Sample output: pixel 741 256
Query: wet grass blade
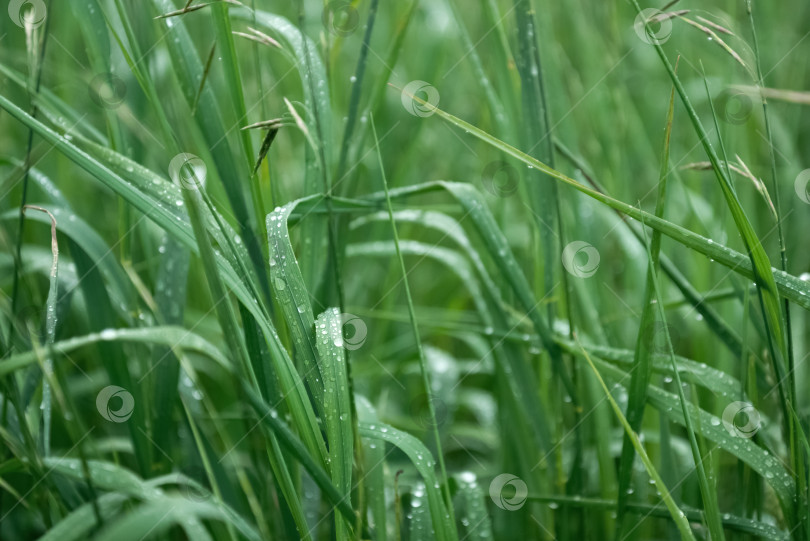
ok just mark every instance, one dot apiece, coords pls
pixel 760 264
pixel 642 364
pixel 329 335
pixel 707 491
pixel 677 515
pixel 422 460
pixel 786 284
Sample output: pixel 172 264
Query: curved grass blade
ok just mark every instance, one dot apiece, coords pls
pixel 444 224
pixel 238 350
pixel 50 332
pixel 443 527
pixel 511 364
pixel 93 245
pixel 167 336
pixel 454 261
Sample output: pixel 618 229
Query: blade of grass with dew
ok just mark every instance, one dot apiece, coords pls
pixel 512 364
pixel 677 515
pixel 419 527
pixel 642 364
pixel 427 387
pixel 792 287
pixel 473 515
pixel 170 297
pixel 233 78
pixel 716 381
pixel 710 427
pixel 338 407
pixel 236 345
pixel 707 491
pixel 730 522
pixel 165 335
pixel 799 462
pixel 293 296
pixel 300 50
pixel 120 288
pixel 537 135
pixel 55 109
pixel 374 483
pixel 167 194
pixel 440 515
pixel 271 419
pixel 761 267
pixel 770 307
pixel 188 68
pixel 712 318
pixel 156 199
pixel 50 331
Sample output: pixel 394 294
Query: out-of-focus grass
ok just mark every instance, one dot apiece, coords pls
pixel 471 245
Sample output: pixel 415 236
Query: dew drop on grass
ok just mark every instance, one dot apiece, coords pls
pixel 108 334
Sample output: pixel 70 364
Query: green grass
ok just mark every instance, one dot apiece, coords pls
pixel 404 270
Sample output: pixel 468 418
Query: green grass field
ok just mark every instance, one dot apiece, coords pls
pixel 402 271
